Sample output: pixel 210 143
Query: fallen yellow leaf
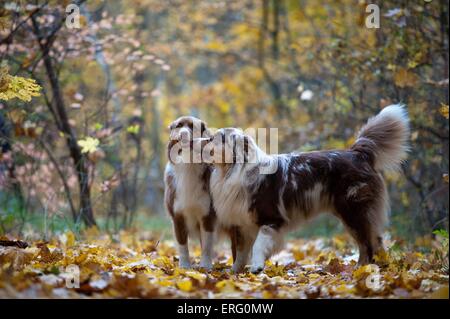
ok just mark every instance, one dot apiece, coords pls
pixel 185 285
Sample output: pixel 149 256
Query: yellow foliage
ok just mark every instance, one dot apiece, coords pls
pixel 89 144
pixel 273 270
pixel 4 19
pixel 226 286
pixel 217 46
pixel 404 198
pixel 363 271
pixel 335 144
pixel 444 110
pixel 185 285
pixel 17 87
pixel 70 239
pixel 133 129
pixel 404 78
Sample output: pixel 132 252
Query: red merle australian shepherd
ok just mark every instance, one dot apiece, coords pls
pixel 261 207
pixel 187 197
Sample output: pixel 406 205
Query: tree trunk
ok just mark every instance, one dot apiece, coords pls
pixel 79 160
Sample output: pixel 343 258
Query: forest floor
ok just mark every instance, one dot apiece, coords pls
pixel 138 265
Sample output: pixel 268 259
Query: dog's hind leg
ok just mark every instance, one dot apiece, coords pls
pixel 207 249
pixel 267 242
pixel 365 226
pixel 363 212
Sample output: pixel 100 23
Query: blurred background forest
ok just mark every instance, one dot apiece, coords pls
pixel 89 148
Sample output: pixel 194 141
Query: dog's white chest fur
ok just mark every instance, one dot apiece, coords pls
pixel 192 199
pixel 230 199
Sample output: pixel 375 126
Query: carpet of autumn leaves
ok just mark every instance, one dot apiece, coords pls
pixel 139 265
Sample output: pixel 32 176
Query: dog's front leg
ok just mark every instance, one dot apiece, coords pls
pixel 242 254
pixel 181 235
pixel 243 245
pixel 207 240
pixel 207 249
pixel 266 242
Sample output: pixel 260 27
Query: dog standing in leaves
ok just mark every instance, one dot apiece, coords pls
pixel 261 208
pixel 187 198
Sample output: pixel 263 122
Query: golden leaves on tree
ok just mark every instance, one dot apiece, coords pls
pixel 17 87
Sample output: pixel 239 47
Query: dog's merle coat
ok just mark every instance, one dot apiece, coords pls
pixel 347 183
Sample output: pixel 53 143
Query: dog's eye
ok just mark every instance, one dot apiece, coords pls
pixel 179 125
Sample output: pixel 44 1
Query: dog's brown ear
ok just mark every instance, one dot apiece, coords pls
pixel 246 142
pixel 204 130
pixel 246 150
pixel 171 126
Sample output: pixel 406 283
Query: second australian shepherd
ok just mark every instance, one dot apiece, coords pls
pixel 261 208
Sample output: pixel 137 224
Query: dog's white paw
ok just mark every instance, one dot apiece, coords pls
pixel 257 268
pixel 206 264
pixel 185 264
pixel 237 268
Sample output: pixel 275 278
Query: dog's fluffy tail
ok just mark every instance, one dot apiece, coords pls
pixel 384 138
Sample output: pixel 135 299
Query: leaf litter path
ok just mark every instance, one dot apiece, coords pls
pixel 139 266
